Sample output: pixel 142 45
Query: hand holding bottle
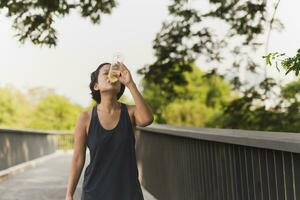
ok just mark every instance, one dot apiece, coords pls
pixel 125 75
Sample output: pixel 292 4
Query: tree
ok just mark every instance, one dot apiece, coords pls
pixel 249 112
pixel 55 112
pixel 197 102
pixel 34 20
pixel 185 37
pixel 14 107
pixel 286 62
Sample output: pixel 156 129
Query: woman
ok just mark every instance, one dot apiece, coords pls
pixel 107 130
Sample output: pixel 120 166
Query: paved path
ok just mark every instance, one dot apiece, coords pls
pixel 47 180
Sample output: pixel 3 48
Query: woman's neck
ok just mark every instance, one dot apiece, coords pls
pixel 109 104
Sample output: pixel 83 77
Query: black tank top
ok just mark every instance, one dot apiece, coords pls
pixel 112 173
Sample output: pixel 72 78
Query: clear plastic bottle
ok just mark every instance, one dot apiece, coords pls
pixel 115 68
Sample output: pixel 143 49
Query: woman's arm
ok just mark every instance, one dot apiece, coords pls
pixel 78 158
pixel 141 111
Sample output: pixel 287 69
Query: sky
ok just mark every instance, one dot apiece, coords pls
pixel 82 46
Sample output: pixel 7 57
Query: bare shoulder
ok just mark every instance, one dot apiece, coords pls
pixel 84 116
pixel 84 119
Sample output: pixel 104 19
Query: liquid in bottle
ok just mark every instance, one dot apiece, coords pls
pixel 115 68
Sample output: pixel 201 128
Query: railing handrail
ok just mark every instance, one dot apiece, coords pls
pixel 284 141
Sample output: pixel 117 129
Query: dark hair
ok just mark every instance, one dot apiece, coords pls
pixel 94 79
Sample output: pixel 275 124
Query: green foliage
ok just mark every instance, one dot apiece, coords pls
pixel 273 57
pixel 249 111
pixel 14 107
pixel 55 112
pixel 39 108
pixel 34 20
pixel 7 107
pixel 178 92
pixel 188 113
pixel 197 102
pixel 291 91
pixel 185 36
pixel 292 63
pixel 288 63
pixel 155 97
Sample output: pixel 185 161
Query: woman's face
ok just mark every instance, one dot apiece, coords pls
pixel 103 84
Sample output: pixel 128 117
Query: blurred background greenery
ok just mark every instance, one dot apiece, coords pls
pixel 178 90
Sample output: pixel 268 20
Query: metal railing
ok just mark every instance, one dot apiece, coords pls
pixel 189 163
pixel 21 145
pixel 179 163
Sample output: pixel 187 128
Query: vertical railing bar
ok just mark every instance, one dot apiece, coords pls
pixel 276 183
pixel 285 194
pixel 241 169
pixel 201 167
pixel 293 173
pixel 194 160
pixel 225 161
pixel 212 164
pixel 187 167
pixel 203 170
pixel 268 178
pixel 231 170
pixel 247 178
pixel 235 175
pixel 193 178
pixel 208 170
pixel 261 185
pixel 253 172
pixel 222 185
pixel 184 164
pixel 198 165
pixel 234 170
pixel 217 170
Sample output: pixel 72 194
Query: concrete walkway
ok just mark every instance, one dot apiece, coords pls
pixel 46 180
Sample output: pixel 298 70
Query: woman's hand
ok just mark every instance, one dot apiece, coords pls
pixel 124 75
